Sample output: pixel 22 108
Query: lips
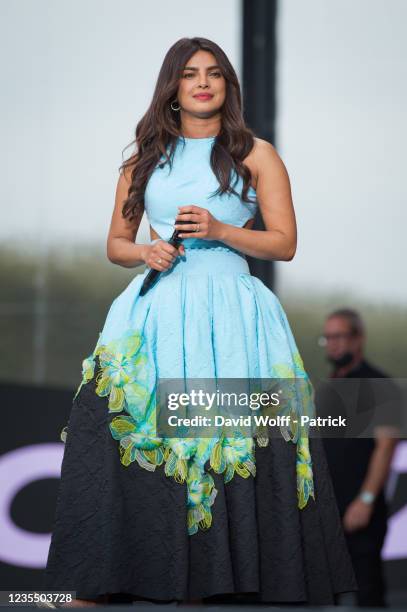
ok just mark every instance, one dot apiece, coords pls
pixel 203 97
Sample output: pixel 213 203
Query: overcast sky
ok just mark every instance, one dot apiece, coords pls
pixel 80 74
pixel 342 133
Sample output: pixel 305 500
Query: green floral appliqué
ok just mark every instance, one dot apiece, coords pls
pixel 122 377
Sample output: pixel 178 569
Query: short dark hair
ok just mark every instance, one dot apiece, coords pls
pixel 353 317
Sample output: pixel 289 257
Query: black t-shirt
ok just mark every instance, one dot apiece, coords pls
pixel 348 456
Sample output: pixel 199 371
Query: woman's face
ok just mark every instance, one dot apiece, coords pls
pixel 202 86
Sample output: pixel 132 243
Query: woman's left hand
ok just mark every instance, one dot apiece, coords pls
pixel 209 227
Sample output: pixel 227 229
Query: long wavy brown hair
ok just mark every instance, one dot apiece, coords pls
pixel 157 132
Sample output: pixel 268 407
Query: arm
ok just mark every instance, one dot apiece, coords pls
pixel 380 462
pixel 358 513
pixel 121 249
pixel 279 241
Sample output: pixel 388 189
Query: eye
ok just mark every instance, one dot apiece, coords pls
pixel 217 74
pixel 188 74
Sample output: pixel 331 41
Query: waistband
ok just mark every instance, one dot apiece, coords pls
pixel 199 243
pixel 210 257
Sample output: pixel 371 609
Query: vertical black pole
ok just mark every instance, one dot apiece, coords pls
pixel 259 96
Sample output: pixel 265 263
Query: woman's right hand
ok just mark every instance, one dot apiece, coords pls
pixel 163 251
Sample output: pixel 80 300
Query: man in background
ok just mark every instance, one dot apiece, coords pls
pixel 359 466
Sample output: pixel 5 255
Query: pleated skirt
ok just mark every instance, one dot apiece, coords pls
pixel 122 529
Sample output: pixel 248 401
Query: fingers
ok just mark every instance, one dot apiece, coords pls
pixel 190 208
pixel 188 217
pixel 193 230
pixel 162 260
pixel 167 250
pixel 194 217
pixel 185 230
pixel 162 256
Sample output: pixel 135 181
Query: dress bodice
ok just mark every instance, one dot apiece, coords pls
pixel 191 180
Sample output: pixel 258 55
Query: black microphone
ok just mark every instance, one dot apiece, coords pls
pixel 153 275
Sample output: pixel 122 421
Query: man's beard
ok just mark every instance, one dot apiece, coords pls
pixel 341 361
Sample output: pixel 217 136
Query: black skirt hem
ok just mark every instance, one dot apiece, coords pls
pixel 122 529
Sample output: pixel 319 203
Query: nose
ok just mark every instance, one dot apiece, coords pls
pixel 202 81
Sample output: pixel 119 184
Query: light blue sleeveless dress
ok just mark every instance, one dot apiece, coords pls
pixel 206 317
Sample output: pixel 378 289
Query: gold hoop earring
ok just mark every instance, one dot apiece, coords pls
pixel 175 109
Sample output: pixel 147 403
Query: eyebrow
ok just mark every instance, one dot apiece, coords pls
pixel 194 68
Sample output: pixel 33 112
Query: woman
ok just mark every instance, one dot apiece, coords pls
pixel 221 518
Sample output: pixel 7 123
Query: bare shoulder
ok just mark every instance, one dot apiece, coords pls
pixel 264 158
pixel 264 152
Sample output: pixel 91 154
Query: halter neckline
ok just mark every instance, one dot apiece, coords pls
pixel 196 139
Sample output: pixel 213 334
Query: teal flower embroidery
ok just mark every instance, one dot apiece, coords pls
pixel 178 452
pixel 234 454
pixel 201 495
pixel 299 396
pixel 123 379
pixel 121 362
pixel 123 373
pixel 305 481
pixel 137 442
pixel 88 371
